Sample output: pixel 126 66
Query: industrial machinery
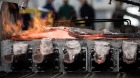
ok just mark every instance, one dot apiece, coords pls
pixel 13 11
pixel 65 51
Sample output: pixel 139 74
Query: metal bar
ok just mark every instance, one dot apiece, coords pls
pixel 129 2
pixel 1 29
pixel 105 20
pixel 97 20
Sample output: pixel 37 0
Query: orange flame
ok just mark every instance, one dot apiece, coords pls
pixel 38 27
pixel 12 28
pixel 9 27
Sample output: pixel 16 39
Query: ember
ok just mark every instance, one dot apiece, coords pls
pixel 100 61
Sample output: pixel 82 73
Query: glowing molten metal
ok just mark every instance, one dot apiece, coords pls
pixel 38 28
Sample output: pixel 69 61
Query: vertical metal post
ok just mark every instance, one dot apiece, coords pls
pixel 110 2
pixel 0 29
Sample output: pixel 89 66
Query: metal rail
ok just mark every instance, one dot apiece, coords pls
pixel 104 20
pixel 127 1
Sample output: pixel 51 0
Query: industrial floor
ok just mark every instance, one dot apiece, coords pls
pixel 70 75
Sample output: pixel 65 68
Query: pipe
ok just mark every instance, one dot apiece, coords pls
pixel 104 20
pixel 21 3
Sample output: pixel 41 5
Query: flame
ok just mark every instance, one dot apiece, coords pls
pixel 38 24
pixel 37 27
pixel 9 27
pixel 13 28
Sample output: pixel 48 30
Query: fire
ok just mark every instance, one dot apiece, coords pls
pixel 38 24
pixel 38 28
pixel 9 27
pixel 13 28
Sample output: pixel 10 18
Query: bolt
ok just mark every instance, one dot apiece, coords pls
pixel 30 51
pixel 30 67
pixel 57 67
pixel 111 59
pixel 92 51
pixel 30 48
pixel 111 68
pixel 66 68
pixel 38 67
pixel 120 68
pixel 93 68
pixel 56 59
pixel 84 67
pixel 30 59
pixel 84 59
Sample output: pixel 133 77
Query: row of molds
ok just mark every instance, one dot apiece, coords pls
pixel 74 56
pixel 71 58
pixel 105 57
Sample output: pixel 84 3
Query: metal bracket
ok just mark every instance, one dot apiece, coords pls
pixel 110 2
